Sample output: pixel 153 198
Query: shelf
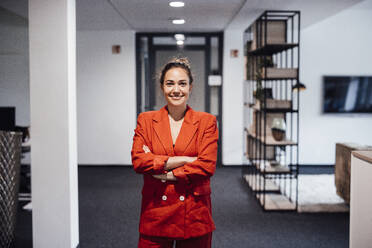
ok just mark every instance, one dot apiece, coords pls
pixel 274 106
pixel 270 141
pixel 272 201
pixel 270 49
pixel 272 68
pixel 273 73
pixel 256 183
pixel 277 110
pixel 271 167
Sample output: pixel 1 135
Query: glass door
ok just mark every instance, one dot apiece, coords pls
pixel 205 54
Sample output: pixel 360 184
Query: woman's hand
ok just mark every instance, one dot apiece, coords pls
pixel 172 163
pixel 177 161
pixel 191 159
pixel 146 149
pixel 169 176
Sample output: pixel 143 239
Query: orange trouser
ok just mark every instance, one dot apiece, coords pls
pixel 204 241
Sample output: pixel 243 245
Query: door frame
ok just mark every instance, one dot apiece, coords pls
pixel 151 67
pixel 155 83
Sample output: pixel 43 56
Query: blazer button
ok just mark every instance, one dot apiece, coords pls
pixel 164 197
pixel 182 198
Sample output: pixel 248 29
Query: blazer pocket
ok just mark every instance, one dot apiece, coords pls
pixel 203 189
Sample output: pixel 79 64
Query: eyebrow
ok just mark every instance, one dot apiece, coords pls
pixel 182 80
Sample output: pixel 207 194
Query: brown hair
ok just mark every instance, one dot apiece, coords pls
pixel 182 62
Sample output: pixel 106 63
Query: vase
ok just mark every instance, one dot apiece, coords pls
pixel 278 129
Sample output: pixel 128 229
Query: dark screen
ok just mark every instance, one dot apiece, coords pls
pixel 347 94
pixel 7 118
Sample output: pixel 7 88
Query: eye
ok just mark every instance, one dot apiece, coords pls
pixel 183 83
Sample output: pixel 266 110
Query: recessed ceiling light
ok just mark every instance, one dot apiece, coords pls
pixel 177 4
pixel 179 36
pixel 180 42
pixel 178 21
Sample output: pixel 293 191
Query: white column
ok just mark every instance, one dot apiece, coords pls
pixel 52 32
pixel 233 80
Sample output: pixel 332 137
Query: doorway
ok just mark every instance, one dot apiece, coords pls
pixel 204 50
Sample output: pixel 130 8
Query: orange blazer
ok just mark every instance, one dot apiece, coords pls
pixel 182 208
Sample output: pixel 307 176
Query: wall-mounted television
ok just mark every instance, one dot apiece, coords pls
pixel 347 94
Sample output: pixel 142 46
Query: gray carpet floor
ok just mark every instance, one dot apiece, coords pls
pixel 109 205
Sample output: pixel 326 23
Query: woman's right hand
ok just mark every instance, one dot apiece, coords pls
pixel 177 161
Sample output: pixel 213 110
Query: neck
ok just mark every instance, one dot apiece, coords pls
pixel 177 112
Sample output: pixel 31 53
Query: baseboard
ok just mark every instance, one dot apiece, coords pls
pixel 231 165
pixel 316 165
pixel 302 168
pixel 300 165
pixel 104 165
pixel 316 169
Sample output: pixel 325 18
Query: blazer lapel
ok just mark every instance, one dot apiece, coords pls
pixel 188 130
pixel 162 130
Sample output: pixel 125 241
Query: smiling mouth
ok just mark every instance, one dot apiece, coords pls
pixel 176 97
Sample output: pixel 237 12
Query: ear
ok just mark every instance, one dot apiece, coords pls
pixel 190 88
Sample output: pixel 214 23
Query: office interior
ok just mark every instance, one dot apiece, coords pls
pixel 77 74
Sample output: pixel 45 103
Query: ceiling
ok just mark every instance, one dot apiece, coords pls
pixel 200 15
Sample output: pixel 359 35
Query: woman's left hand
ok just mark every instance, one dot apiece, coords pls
pixel 169 176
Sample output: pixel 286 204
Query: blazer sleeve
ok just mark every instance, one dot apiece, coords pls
pixel 205 165
pixel 145 163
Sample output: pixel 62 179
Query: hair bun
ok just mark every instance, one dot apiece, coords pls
pixel 176 62
pixel 181 60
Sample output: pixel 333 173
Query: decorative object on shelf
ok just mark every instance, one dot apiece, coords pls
pixel 299 86
pixel 272 104
pixel 276 33
pixel 261 93
pixel 282 161
pixel 278 129
pixel 279 73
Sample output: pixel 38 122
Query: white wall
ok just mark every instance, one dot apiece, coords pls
pixel 339 45
pixel 232 109
pixel 360 231
pixel 106 96
pixel 106 88
pixel 14 67
pixel 14 64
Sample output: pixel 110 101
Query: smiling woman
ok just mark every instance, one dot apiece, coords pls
pixel 175 148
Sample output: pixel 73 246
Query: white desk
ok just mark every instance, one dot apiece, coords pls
pixel 361 200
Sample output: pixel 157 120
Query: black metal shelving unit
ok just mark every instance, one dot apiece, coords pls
pixel 272 67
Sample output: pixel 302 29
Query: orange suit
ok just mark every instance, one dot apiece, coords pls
pixel 176 209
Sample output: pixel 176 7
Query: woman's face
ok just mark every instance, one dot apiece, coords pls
pixel 176 87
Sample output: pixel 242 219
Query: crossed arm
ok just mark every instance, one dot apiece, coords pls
pixel 170 164
pixel 182 168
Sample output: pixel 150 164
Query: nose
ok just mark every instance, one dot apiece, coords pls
pixel 176 88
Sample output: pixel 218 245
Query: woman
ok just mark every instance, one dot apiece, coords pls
pixel 175 148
